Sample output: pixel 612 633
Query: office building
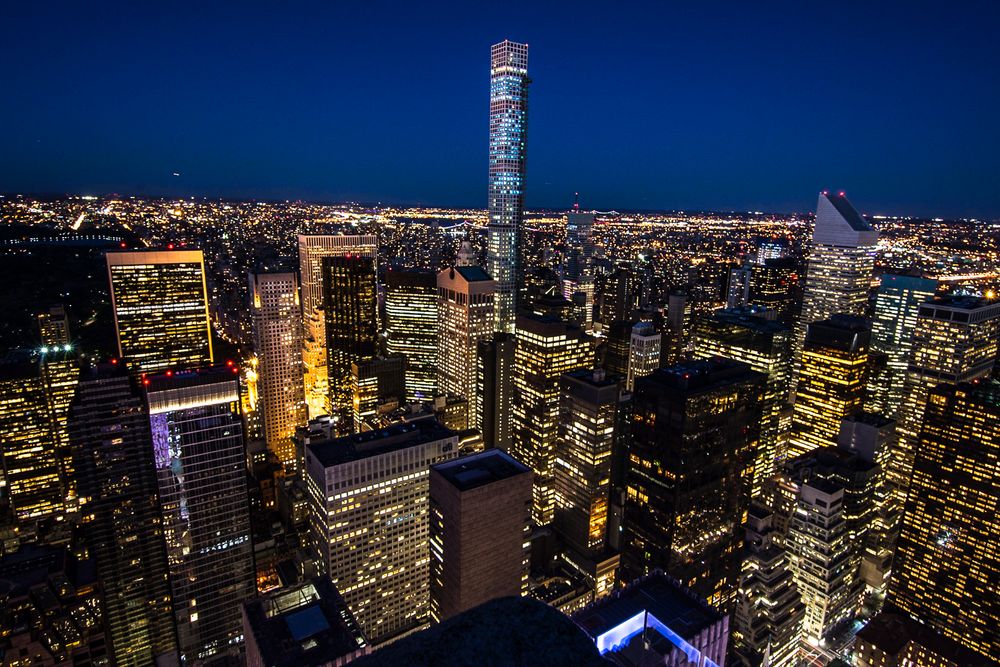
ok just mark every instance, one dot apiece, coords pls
pixel 580 248
pixel 774 284
pixel 765 346
pixel 378 386
pixel 465 318
pixel 160 305
pixel 695 432
pixel 53 326
pixel 312 250
pixel 833 373
pixel 619 297
pixel 947 565
pixel 738 286
pixel 955 341
pixel 894 639
pixel 508 153
pixel 277 337
pixel 894 323
pixel 618 343
pixel 773 249
pixel 350 307
pixel 655 620
pixel 201 473
pixel 643 352
pixel 305 625
pixel 370 520
pixel 113 459
pixel 545 350
pixel 495 389
pixel 480 516
pixel 411 320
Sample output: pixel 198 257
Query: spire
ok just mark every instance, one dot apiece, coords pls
pixel 576 201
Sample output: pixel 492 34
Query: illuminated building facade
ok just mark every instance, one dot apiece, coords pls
pixel 508 153
pixel 832 377
pixel 695 432
pixel 897 303
pixel 546 349
pixel 840 267
pixel 495 389
pixel 60 371
pixel 465 319
pixel 369 520
pixel 619 296
pixel 579 246
pixel 350 306
pixel 113 458
pixel 618 340
pixel 738 287
pixel 765 346
pixel 201 473
pixel 411 320
pixel 277 337
pixel 378 386
pixel 53 326
pixel 774 284
pixel 480 518
pixel 160 305
pixel 819 544
pixel 947 564
pixel 643 352
pixel 955 340
pixel 312 250
pixel 588 416
pixel 894 639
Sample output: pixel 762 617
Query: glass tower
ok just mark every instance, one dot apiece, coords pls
pixel 411 316
pixel 508 151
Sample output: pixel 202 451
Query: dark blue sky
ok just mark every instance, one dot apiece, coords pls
pixel 742 105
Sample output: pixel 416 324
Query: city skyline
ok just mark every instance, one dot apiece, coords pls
pixel 709 116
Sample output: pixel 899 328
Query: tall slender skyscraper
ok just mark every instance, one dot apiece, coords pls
pixel 508 152
pixel 113 460
pixel 643 352
pixel 411 317
pixel 200 460
pixel 277 337
pixel 60 371
pixel 160 305
pixel 350 304
pixel 312 250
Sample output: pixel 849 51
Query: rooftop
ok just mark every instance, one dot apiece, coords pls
pixel 476 470
pixel 891 631
pixel 701 375
pixel 848 212
pixel 371 443
pixel 472 273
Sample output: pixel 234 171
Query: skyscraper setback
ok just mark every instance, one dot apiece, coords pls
pixel 508 152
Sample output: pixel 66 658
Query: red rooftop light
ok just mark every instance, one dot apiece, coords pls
pixel 124 245
pixel 170 246
pixel 229 362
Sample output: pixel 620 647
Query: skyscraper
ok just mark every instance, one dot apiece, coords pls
pixel 695 429
pixel 465 319
pixel 897 303
pixel 113 459
pixel 947 564
pixel 738 286
pixel 495 389
pixel 60 372
pixel 766 347
pixel 312 250
pixel 350 307
pixel 377 386
pixel 832 376
pixel 277 336
pixel 480 516
pixel 369 520
pixel 546 349
pixel 774 285
pixel 508 153
pixel 200 460
pixel 160 305
pixel 643 352
pixel 411 316
pixel 955 340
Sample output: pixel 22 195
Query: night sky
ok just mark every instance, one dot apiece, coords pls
pixel 674 105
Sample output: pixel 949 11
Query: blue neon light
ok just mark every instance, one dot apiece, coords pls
pixel 619 636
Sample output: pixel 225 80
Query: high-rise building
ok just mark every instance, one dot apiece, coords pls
pixel 495 389
pixel 370 520
pixel 160 305
pixel 508 153
pixel 765 346
pixel 378 385
pixel 819 544
pixel 947 565
pixel 277 337
pixel 465 318
pixel 546 349
pixel 480 516
pixel 774 285
pixel 738 286
pixel 312 250
pixel 832 377
pixel 695 431
pixel 895 639
pixel 955 340
pixel 60 372
pixel 618 337
pixel 53 326
pixel 411 320
pixel 116 481
pixel 620 296
pixel 897 303
pixel 643 352
pixel 350 307
pixel 579 245
pixel 201 474
pixel 590 413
